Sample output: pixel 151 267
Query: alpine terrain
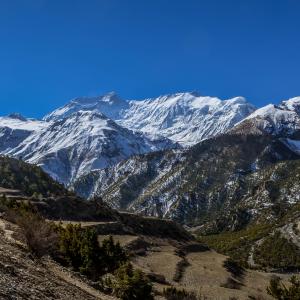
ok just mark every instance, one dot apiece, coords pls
pixel 107 198
pixel 91 133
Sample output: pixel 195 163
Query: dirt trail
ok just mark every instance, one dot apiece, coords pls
pixel 84 224
pixel 9 232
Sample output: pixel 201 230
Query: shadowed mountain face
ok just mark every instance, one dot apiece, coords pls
pixel 223 174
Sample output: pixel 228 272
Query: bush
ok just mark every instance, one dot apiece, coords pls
pixel 279 291
pixel 234 268
pixel 180 268
pixel 114 254
pixel 172 293
pixel 130 284
pixel 39 235
pixel 232 283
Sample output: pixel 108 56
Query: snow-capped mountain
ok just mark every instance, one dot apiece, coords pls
pixel 14 129
pixel 186 118
pixel 109 104
pixel 92 133
pixel 282 119
pixel 189 184
pixel 79 143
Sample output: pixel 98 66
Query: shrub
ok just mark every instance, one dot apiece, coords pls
pixel 39 235
pixel 172 293
pixel 234 268
pixel 279 291
pixel 131 284
pixel 232 283
pixel 180 268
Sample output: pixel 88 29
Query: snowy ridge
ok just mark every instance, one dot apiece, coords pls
pixel 185 117
pixel 14 129
pixel 92 133
pixel 275 119
pixel 16 121
pixel 79 143
pixel 109 104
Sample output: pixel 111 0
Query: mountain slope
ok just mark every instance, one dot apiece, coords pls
pixel 79 143
pixel 14 129
pixel 28 179
pixel 237 176
pixel 214 177
pixel 282 119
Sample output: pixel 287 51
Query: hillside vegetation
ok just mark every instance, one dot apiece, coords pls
pixel 29 179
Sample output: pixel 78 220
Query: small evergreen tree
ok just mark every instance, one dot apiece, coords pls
pixel 70 245
pixel 90 252
pixel 114 254
pixel 131 284
pixel 80 248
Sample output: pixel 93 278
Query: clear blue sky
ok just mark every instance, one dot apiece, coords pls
pixel 53 50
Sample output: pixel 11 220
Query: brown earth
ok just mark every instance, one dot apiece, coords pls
pixel 22 277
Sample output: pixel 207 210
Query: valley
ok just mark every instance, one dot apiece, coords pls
pixel 159 258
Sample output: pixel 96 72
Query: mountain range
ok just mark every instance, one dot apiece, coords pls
pixel 91 133
pixel 181 156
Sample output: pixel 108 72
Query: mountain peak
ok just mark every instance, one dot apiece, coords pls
pixel 17 116
pixel 109 104
pixel 273 119
pixel 292 104
pixel 111 97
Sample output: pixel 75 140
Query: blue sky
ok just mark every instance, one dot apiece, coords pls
pixel 54 50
